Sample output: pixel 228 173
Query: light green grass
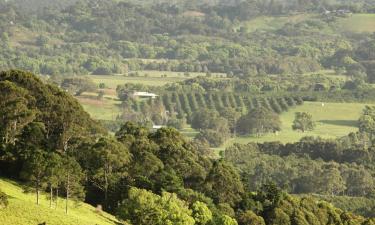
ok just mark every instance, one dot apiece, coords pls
pixel 150 78
pixel 105 109
pixel 357 23
pixel 332 121
pixel 22 210
pixel 273 22
pixel 331 74
pixel 113 81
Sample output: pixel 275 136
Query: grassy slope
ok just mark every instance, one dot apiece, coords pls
pixel 333 120
pixel 357 23
pixel 22 210
pixel 147 78
pixel 273 23
pixel 105 109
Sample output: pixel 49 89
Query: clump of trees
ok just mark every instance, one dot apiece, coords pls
pixel 259 121
pixel 78 85
pixel 303 121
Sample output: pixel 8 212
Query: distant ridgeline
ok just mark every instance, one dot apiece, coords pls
pixel 115 37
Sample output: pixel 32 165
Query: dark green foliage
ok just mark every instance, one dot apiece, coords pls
pixel 223 184
pixel 215 138
pixel 259 121
pixel 77 86
pixel 303 122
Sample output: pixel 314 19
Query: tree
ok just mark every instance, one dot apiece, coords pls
pixel 204 119
pixel 303 122
pixel 367 120
pixel 143 207
pixel 109 160
pixel 201 213
pixel 41 41
pixel 259 121
pixel 77 86
pixel 15 111
pixel 250 218
pixel 223 184
pixel 226 220
pixel 53 177
pixel 213 137
pixel 35 171
pixel 331 178
pixel 71 174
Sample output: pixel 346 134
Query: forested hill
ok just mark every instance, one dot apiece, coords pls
pixel 244 39
pixel 143 177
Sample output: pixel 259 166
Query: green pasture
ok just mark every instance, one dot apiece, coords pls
pixel 273 22
pixel 332 120
pixel 357 23
pixel 104 109
pixel 151 78
pixel 23 210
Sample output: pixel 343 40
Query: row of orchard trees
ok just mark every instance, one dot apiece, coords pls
pixel 187 103
pixel 216 115
pixel 184 105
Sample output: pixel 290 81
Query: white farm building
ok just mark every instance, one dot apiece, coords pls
pixel 141 94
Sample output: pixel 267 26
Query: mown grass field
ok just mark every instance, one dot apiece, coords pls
pixel 273 22
pixel 332 120
pixel 357 23
pixel 152 78
pixel 22 210
pixel 104 109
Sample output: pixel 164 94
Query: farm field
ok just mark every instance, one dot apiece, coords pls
pixel 273 22
pixel 23 210
pixel 105 109
pixel 152 78
pixel 332 120
pixel 357 23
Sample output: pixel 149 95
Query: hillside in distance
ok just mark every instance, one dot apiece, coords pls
pixel 247 38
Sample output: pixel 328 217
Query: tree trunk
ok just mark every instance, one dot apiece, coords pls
pixel 67 195
pixel 37 193
pixel 57 197
pixel 106 189
pixel 50 195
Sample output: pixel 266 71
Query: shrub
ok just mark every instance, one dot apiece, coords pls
pixel 3 200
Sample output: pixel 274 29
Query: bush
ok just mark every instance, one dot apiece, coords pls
pixel 102 71
pixel 3 200
pixel 214 138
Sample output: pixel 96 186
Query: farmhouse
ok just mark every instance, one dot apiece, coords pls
pixel 141 94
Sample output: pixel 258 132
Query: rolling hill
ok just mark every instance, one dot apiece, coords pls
pixel 22 210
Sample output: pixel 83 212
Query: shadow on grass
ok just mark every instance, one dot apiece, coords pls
pixel 347 123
